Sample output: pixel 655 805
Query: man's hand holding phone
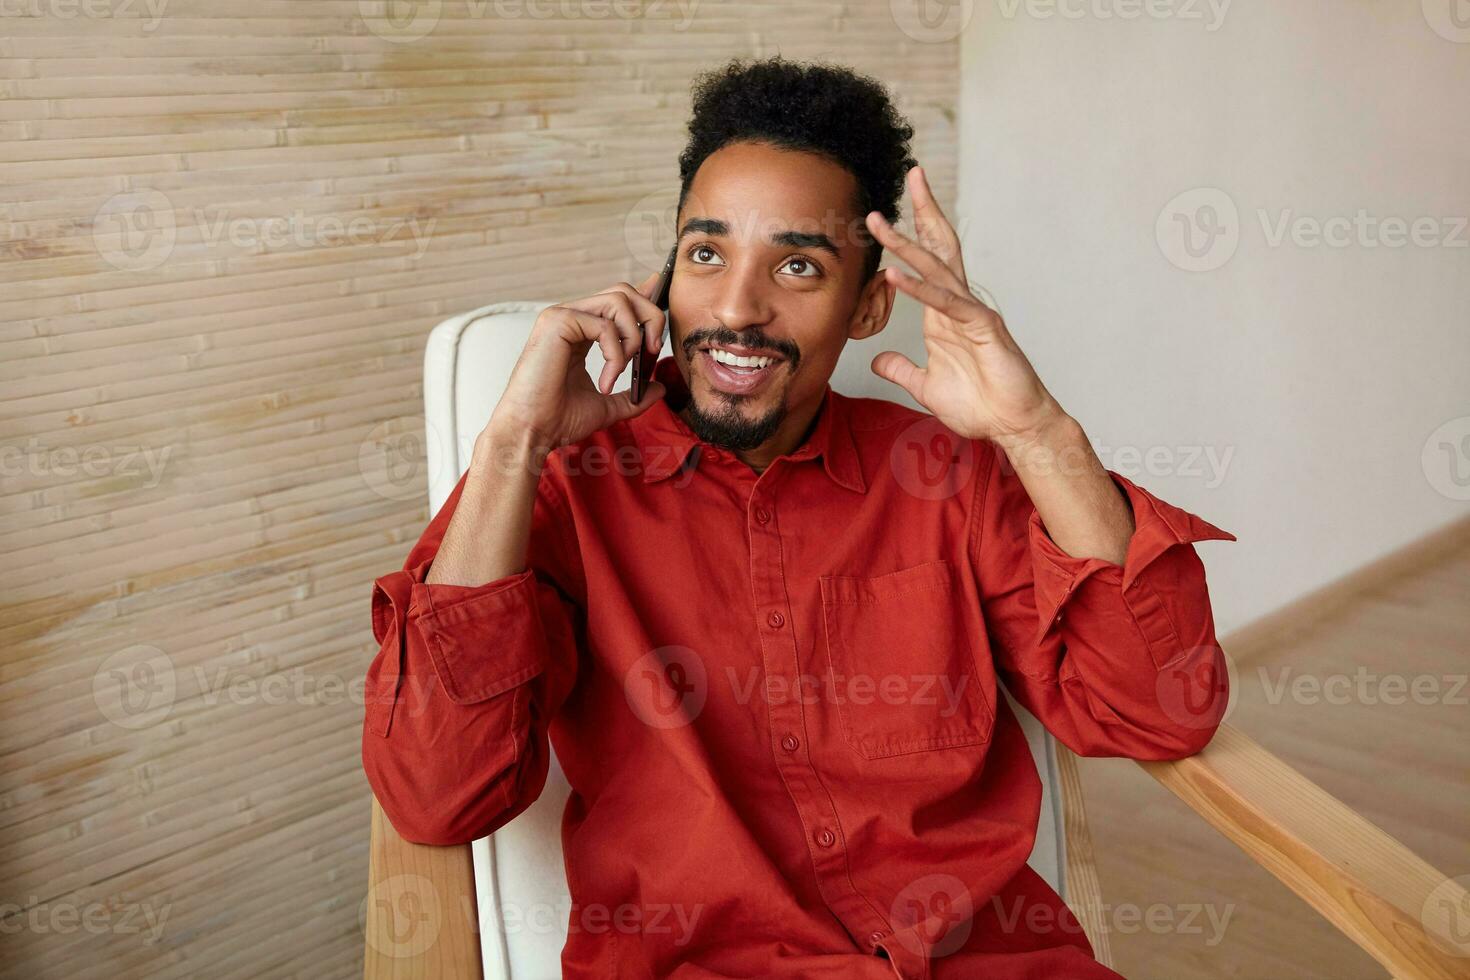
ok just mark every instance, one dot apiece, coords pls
pixel 550 397
pixel 549 402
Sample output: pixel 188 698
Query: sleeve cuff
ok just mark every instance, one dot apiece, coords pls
pixel 483 639
pixel 1157 526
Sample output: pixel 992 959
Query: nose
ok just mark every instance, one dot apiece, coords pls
pixel 741 300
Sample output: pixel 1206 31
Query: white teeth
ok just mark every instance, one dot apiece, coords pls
pixel 725 357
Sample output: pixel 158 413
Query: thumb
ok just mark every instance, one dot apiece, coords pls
pixel 895 367
pixel 622 406
pixel 646 286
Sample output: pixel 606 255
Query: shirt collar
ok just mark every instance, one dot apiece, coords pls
pixel 665 440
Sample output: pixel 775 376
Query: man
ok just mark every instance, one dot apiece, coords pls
pixel 763 623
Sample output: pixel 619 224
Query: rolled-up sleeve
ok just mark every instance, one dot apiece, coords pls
pixel 467 679
pixel 1115 660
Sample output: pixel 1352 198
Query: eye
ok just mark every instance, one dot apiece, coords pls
pixel 805 263
pixel 698 249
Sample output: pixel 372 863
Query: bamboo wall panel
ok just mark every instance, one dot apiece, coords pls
pixel 212 404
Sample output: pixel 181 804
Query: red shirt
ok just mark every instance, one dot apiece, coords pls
pixel 775 695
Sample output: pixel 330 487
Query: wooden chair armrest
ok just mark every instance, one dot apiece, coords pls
pixel 420 916
pixel 1377 892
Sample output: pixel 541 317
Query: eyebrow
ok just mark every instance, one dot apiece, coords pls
pixel 790 239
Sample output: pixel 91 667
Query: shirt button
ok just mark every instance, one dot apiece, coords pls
pixel 873 938
pixel 775 618
pixel 762 516
pixel 826 838
pixel 790 743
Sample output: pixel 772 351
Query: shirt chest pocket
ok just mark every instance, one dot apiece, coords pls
pixel 904 674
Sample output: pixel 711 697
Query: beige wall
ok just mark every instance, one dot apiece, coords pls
pixel 211 416
pixel 1327 374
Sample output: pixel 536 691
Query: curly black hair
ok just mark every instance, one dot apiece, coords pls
pixel 815 107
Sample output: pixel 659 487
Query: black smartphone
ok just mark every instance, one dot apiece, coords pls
pixel 644 362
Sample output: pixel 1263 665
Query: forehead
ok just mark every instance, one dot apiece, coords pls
pixel 758 189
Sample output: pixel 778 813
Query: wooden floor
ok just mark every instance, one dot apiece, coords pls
pixel 1405 767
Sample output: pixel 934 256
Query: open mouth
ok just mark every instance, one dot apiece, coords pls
pixel 737 372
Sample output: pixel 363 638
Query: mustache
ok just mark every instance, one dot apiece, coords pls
pixel 743 338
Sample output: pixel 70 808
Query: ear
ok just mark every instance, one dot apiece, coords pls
pixel 874 307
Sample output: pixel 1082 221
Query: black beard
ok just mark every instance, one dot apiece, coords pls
pixel 728 429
